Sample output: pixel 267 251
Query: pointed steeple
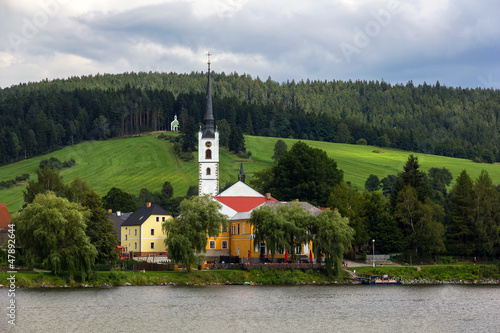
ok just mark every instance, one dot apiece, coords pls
pixel 208 121
pixel 241 176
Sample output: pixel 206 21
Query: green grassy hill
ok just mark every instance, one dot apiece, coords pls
pixel 146 162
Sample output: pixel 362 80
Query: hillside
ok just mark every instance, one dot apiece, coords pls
pixel 146 162
pixel 37 118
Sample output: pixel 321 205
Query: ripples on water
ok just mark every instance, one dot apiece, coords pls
pixel 259 309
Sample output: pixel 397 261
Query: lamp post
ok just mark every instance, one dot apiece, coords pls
pixel 373 255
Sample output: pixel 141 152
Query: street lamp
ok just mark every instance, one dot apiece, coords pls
pixel 373 255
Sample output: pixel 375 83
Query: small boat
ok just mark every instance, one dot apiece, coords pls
pixel 385 279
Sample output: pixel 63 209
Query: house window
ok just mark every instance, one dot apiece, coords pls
pixel 157 219
pixel 126 249
pixel 208 154
pixel 129 231
pixel 135 231
pixel 224 244
pixel 281 250
pixel 135 245
pixel 243 228
pixel 212 244
pixel 298 250
pixel 152 232
pixel 126 237
pixel 238 228
pixel 208 171
pixel 163 218
pixel 152 245
pixel 232 230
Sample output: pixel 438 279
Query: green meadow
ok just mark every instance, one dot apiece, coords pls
pixel 144 161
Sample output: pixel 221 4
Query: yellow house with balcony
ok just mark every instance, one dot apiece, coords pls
pixel 141 232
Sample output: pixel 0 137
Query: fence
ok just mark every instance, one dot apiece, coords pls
pixel 282 266
pixel 148 266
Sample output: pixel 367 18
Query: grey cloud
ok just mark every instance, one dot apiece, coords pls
pixel 295 40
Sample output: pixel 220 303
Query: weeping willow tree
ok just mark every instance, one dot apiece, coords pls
pixel 51 231
pixel 332 237
pixel 268 228
pixel 188 233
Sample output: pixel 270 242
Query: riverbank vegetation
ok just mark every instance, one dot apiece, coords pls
pixel 205 277
pixel 481 274
pixel 438 273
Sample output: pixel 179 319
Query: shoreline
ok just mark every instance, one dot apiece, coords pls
pixel 424 275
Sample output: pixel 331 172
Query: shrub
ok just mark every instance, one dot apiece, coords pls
pixel 362 142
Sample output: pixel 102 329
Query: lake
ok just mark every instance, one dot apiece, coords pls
pixel 442 308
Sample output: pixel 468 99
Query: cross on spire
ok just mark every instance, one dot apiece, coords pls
pixel 208 55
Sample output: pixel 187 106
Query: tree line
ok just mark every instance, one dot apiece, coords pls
pixel 411 212
pixel 36 118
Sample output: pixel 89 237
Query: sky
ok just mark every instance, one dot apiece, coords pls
pixel 454 42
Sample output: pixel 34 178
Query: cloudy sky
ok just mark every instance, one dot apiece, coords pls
pixel 456 42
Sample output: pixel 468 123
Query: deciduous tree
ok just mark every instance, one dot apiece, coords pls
pixel 332 238
pixel 304 173
pixel 48 179
pixel 100 228
pixel 51 231
pixel 187 234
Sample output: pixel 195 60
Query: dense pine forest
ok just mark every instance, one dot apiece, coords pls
pixel 36 118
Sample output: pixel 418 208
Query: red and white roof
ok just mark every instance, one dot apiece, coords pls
pixel 240 198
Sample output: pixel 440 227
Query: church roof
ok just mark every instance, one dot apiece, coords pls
pixel 5 217
pixel 243 204
pixel 242 198
pixel 313 210
pixel 239 189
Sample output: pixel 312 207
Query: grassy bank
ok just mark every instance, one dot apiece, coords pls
pixel 438 273
pixel 205 277
pixel 413 274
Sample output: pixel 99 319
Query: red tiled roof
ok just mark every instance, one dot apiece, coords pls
pixel 243 204
pixel 4 216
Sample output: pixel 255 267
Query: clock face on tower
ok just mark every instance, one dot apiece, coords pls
pixel 208 144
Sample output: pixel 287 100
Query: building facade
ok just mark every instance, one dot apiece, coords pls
pixel 142 233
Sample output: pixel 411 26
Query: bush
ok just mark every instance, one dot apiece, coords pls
pixel 477 160
pixel 23 177
pixel 362 142
pixel 56 164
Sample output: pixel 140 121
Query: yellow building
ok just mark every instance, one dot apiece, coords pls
pixel 141 232
pixel 238 202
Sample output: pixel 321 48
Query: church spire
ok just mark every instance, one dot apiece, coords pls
pixel 241 176
pixel 208 121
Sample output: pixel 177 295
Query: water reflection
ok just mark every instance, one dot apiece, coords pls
pixel 260 309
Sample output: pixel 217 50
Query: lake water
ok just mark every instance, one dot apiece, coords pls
pixel 449 308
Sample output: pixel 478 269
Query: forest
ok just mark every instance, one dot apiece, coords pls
pixel 36 118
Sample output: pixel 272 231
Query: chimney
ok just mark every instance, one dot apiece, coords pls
pixel 268 196
pixel 148 205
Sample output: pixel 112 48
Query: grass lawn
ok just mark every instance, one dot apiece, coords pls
pixel 146 162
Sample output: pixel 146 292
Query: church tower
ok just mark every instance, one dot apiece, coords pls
pixel 208 149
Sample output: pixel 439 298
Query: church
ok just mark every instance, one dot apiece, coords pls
pixel 238 201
